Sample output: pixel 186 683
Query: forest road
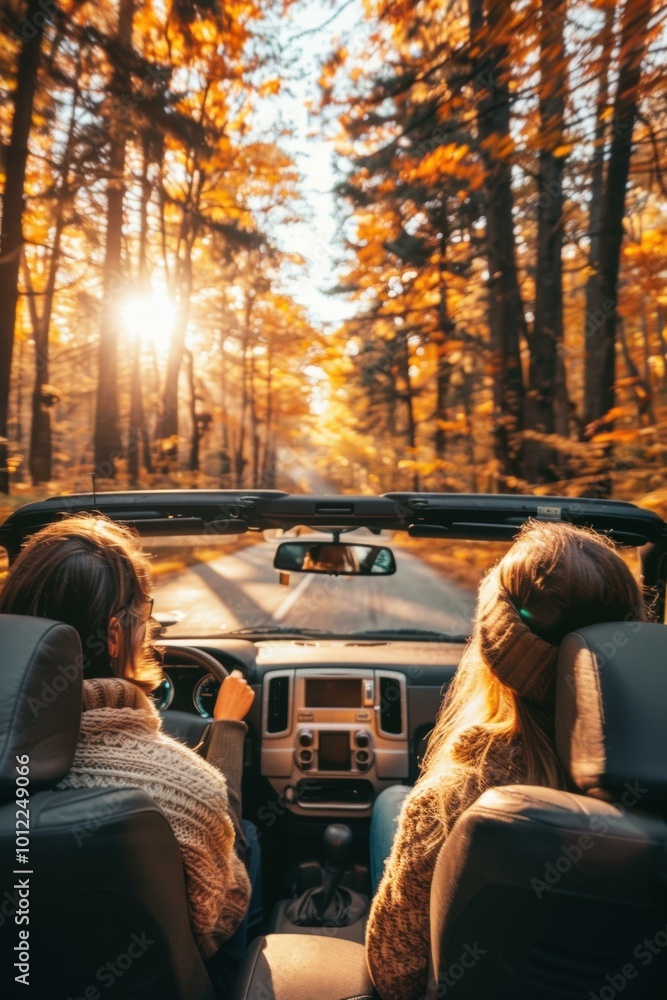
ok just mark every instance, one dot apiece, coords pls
pixel 241 589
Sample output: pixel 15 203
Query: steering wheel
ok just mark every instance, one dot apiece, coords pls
pixel 185 726
pixel 191 655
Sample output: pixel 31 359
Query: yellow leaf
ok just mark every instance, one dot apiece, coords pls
pixel 270 87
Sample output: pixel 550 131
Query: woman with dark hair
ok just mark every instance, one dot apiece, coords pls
pixel 495 727
pixel 91 574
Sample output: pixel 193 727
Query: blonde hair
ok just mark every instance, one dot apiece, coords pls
pixel 85 570
pixel 557 578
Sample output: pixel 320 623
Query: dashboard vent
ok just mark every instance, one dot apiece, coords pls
pixel 278 707
pixel 390 706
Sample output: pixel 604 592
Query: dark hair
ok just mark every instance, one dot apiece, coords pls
pixel 85 570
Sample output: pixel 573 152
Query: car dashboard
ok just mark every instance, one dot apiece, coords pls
pixel 334 722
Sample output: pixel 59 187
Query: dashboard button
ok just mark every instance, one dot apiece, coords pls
pixel 305 759
pixel 362 738
pixel 306 738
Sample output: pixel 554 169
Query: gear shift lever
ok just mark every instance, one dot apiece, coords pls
pixel 337 846
pixel 330 904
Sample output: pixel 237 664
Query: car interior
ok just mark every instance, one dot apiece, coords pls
pixel 537 892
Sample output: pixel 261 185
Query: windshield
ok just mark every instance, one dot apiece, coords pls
pixel 214 589
pixel 228 586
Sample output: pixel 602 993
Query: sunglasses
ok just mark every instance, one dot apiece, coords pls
pixel 127 609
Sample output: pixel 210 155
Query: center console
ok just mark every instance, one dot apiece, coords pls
pixel 333 738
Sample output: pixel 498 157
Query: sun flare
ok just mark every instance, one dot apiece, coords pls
pixel 149 318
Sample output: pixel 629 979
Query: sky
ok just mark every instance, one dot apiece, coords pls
pixel 307 40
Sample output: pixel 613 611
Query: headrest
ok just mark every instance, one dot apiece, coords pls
pixel 611 712
pixel 40 700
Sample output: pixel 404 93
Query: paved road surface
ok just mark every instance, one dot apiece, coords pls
pixel 241 589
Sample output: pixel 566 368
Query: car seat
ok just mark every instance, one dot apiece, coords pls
pixel 542 894
pixel 93 899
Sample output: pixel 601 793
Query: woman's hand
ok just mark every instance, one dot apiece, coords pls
pixel 234 698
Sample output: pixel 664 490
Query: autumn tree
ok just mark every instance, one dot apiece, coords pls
pixel 27 21
pixel 602 311
pixel 473 148
pixel 546 396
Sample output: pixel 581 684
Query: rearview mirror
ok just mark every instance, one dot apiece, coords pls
pixel 335 558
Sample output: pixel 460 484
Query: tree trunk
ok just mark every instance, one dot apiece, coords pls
pixel 193 460
pixel 225 452
pixel 445 327
pixel 40 454
pixel 136 415
pixel 408 396
pixel 268 460
pixel 641 387
pixel 597 186
pixel 168 428
pixel 601 316
pixel 490 25
pixel 107 445
pixel 11 232
pixel 269 475
pixel 182 288
pixel 19 397
pixel 240 460
pixel 254 424
pixel 547 337
pixel 139 451
pixel 469 409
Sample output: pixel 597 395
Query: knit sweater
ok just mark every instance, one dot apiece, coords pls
pixel 121 744
pixel 398 930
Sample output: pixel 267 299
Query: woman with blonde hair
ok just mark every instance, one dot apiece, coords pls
pixel 90 573
pixel 495 727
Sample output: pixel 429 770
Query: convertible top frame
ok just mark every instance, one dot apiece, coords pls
pixel 479 517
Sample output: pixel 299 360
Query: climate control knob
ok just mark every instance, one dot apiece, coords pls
pixel 306 738
pixel 362 759
pixel 362 738
pixel 305 759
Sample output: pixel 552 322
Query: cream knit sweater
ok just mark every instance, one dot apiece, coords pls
pixel 398 933
pixel 121 744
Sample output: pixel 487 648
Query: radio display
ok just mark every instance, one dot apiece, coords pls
pixel 334 751
pixel 333 692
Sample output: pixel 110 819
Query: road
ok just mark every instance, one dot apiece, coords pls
pixel 241 589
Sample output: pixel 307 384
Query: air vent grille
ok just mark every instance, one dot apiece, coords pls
pixel 390 706
pixel 278 708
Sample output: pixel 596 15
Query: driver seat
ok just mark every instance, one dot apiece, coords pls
pixel 99 909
